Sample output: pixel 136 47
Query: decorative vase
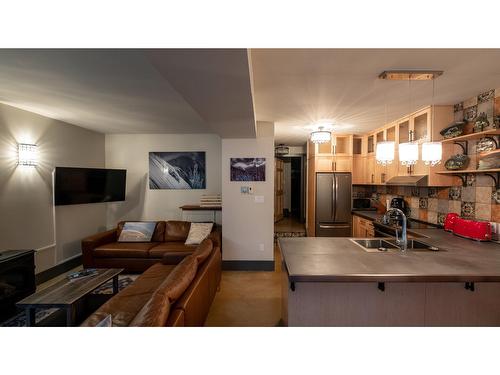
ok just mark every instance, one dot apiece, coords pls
pixel 481 122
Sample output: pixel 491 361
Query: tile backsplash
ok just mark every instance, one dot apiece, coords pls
pixel 431 204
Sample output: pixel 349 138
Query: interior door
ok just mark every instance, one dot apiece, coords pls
pixel 278 189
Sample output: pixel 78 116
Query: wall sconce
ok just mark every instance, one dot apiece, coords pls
pixel 27 154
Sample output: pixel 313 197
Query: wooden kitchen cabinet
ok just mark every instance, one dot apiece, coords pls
pixel 370 169
pixel 361 227
pixel 342 164
pixel 358 169
pixel 324 164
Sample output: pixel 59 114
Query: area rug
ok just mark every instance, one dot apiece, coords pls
pixel 19 320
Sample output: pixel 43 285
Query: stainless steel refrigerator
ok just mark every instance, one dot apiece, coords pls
pixel 333 204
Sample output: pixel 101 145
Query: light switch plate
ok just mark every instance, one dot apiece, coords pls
pixel 246 190
pixel 259 199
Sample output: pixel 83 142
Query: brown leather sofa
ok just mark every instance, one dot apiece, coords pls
pixel 167 294
pixel 102 250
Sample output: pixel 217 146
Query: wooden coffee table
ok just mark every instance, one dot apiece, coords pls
pixel 65 294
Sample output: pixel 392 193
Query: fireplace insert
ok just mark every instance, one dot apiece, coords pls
pixel 17 279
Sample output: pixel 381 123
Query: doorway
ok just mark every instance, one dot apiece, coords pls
pixel 290 215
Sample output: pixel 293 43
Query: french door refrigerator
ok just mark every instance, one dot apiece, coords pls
pixel 333 204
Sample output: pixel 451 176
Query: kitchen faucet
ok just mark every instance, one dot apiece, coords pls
pixel 404 239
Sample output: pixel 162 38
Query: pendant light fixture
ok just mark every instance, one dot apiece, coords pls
pixel 384 151
pixel 321 136
pixel 281 150
pixel 432 152
pixel 408 151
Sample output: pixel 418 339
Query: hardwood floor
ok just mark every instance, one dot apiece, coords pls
pixel 289 224
pixel 248 299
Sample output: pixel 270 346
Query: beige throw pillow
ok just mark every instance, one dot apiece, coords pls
pixel 198 232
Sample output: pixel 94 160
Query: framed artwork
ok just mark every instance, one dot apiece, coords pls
pixel 248 169
pixel 177 170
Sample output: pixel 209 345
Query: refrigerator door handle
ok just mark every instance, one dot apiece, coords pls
pixel 337 226
pixel 335 196
pixel 332 214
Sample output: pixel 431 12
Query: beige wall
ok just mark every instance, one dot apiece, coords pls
pixel 247 226
pixel 28 217
pixel 131 152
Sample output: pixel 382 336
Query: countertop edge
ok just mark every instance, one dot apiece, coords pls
pixel 394 278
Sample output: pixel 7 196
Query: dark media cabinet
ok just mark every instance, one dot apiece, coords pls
pixel 17 279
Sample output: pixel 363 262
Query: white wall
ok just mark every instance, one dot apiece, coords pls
pixel 131 152
pixel 28 219
pixel 246 225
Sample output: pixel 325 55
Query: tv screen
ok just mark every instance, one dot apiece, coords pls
pixel 88 185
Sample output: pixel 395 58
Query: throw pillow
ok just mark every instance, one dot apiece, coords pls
pixel 137 231
pixel 198 232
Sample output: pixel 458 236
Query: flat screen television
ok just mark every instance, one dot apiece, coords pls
pixel 88 185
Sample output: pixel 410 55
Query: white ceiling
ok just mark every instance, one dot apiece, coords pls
pixel 127 91
pixel 297 87
pixel 209 90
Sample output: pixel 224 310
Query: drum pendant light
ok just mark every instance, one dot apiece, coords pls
pixel 432 152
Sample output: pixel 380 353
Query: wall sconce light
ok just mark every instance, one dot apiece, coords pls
pixel 27 154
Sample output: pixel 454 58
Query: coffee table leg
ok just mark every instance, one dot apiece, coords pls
pixel 115 284
pixel 70 316
pixel 30 317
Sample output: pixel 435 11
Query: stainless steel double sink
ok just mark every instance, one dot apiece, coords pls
pixel 378 245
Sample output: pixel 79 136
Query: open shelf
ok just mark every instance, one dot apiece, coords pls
pixel 494 173
pixel 472 136
pixel 468 171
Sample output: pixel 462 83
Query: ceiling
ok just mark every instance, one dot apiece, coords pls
pixel 224 91
pixel 298 87
pixel 131 91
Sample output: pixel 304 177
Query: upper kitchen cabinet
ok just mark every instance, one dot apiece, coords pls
pixel 370 144
pixel 358 159
pixel 403 128
pixel 421 125
pixel 342 145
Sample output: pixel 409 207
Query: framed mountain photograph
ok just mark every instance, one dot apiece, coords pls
pixel 177 170
pixel 248 169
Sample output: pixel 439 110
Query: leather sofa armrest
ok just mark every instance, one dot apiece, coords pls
pixel 216 237
pixel 174 258
pixel 96 240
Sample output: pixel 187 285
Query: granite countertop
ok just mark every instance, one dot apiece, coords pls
pixel 339 259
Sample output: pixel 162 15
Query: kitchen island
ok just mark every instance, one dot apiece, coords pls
pixel 335 282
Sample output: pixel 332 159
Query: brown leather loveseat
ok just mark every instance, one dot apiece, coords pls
pixel 103 250
pixel 167 294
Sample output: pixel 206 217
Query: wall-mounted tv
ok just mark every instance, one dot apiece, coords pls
pixel 88 185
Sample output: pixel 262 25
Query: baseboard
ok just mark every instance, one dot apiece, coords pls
pixel 57 270
pixel 248 265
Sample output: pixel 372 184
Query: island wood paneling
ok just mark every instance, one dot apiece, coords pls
pixel 400 304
